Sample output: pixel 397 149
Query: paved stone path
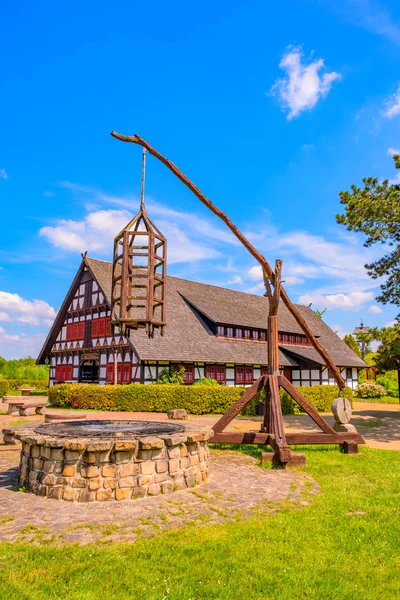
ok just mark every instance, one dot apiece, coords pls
pixel 236 488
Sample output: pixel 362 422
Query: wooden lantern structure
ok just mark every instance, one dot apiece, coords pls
pixel 139 273
pixel 272 431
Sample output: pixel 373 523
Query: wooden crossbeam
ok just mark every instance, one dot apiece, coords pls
pixel 240 404
pixel 292 439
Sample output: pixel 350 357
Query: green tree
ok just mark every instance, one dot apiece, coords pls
pixel 387 356
pixel 352 344
pixel 375 211
pixel 171 376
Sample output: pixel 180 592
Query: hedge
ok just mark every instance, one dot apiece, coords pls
pixel 197 400
pixel 10 385
pixel 320 396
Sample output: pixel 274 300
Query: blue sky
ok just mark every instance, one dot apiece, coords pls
pixel 271 108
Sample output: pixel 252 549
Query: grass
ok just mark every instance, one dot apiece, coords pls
pixel 383 400
pixel 343 545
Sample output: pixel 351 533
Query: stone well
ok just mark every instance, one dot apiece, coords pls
pixel 86 461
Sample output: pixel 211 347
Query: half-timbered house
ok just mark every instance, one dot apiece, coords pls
pixel 212 331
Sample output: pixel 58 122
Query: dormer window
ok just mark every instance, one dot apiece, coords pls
pixel 220 331
pixel 255 334
pixel 238 333
pixel 229 332
pixel 246 334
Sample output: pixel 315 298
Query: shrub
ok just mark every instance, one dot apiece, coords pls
pixel 171 376
pixel 197 400
pixel 320 396
pixel 370 390
pixel 206 381
pixel 10 385
pixel 389 381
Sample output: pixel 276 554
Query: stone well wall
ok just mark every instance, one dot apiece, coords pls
pixel 86 470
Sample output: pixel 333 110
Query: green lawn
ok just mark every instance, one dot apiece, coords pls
pixel 383 400
pixel 344 545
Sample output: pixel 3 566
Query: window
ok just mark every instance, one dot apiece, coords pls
pixel 220 331
pixel 244 375
pixel 229 332
pixel 64 372
pixel 263 336
pixel 217 372
pixel 188 376
pixel 76 331
pixel 255 334
pixel 246 334
pixel 101 327
pixel 238 333
pixel 349 373
pixel 124 373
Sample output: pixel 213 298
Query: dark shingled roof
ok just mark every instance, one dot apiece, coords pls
pixel 187 336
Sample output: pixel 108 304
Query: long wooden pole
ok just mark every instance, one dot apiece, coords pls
pixel 136 139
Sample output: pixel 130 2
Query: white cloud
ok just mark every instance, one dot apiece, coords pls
pixel 393 151
pixel 4 317
pixel 303 85
pixel 236 280
pixel 17 346
pixel 3 174
pixel 292 280
pixel 350 301
pixel 392 105
pixel 24 311
pixel 255 273
pixel 375 309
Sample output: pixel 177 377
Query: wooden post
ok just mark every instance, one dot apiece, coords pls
pixel 136 139
pixel 115 368
pixel 272 338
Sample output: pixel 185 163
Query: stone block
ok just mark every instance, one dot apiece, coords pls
pixel 90 457
pixel 204 475
pixel 147 468
pixel 198 478
pixel 70 494
pixel 72 455
pixel 57 454
pixel 185 462
pixel 99 446
pixel 48 466
pixel 192 471
pixel 55 492
pixel 174 452
pixel 74 445
pixel 79 482
pixel 127 445
pixel 162 466
pixel 104 495
pixel 109 470
pixel 69 470
pixel 86 496
pixel 139 492
pixel 177 414
pixel 122 457
pixel 62 481
pixel 151 443
pixel 94 484
pixel 158 454
pixel 143 455
pixel 167 487
pixel 194 459
pixel 173 465
pixel 91 471
pixel 159 477
pixel 127 482
pixel 144 480
pixel 344 427
pixel 192 448
pixel 183 450
pixel 50 480
pixel 104 456
pixel 154 489
pixel 109 483
pixel 58 467
pixel 179 484
pixel 35 451
pixel 128 469
pixel 123 494
pixel 38 464
pixel 45 452
pixel 190 481
pixel 8 438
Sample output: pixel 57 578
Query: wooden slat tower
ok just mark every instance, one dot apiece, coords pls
pixel 139 273
pixel 272 431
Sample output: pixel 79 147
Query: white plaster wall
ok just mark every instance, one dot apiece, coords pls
pixel 75 372
pixel 230 373
pixel 102 372
pixel 103 358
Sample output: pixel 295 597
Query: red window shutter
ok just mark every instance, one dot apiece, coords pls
pixel 126 372
pixel 95 323
pixel 189 374
pixel 80 330
pixel 210 372
pixel 70 332
pixel 220 374
pixel 68 372
pixel 239 375
pixel 110 373
pixel 248 375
